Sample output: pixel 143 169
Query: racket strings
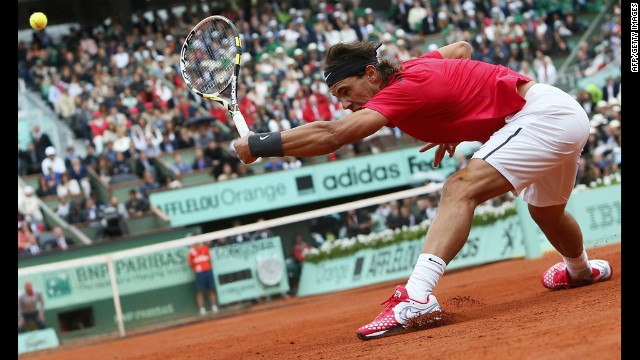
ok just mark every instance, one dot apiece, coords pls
pixel 210 58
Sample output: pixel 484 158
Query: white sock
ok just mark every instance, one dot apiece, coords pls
pixel 578 268
pixel 428 270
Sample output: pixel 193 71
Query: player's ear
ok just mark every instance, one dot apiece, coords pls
pixel 370 73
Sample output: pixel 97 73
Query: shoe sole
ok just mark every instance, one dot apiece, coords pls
pixel 393 331
pixel 433 316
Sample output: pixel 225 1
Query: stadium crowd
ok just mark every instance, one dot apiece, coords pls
pixel 118 86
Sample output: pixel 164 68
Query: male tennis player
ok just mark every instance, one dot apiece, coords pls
pixel 532 133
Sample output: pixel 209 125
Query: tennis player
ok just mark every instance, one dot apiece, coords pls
pixel 533 135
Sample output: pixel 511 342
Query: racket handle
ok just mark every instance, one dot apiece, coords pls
pixel 241 125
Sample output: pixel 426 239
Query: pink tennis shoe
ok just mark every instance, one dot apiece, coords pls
pixel 396 315
pixel 557 276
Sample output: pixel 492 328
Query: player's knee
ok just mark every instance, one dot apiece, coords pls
pixel 458 188
pixel 546 217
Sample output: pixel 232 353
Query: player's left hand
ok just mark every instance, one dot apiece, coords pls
pixel 442 149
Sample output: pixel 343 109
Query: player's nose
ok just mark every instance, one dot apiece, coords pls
pixel 346 104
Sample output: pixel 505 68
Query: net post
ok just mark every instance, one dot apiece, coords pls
pixel 116 296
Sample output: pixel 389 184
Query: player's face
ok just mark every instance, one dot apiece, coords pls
pixel 353 92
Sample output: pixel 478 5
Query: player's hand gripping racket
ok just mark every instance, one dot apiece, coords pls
pixel 210 62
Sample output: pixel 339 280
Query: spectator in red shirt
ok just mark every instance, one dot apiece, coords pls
pixel 316 109
pixel 299 248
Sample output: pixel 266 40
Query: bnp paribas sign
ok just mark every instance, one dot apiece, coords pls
pixel 281 189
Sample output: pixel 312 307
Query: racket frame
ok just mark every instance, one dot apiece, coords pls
pixel 232 105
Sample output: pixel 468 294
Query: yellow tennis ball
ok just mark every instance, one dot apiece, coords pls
pixel 38 20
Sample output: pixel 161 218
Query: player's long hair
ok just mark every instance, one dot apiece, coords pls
pixel 344 52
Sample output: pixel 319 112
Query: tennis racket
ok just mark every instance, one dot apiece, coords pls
pixel 210 64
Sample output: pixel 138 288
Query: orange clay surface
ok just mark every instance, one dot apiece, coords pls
pixel 496 311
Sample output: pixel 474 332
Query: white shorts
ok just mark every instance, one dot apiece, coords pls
pixel 539 147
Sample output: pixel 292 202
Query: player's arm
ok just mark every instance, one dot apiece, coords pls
pixel 457 50
pixel 319 137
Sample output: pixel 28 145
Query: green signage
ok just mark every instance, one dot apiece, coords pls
pixel 253 194
pixel 498 241
pixel 243 271
pixel 37 340
pixel 249 270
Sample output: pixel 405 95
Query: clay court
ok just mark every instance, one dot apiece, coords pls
pixel 497 311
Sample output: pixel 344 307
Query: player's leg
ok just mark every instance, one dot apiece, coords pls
pixel 461 194
pixel 560 228
pixel 448 232
pixel 562 231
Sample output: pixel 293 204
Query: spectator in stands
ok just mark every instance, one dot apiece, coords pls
pixel 79 172
pixel 68 186
pixel 291 162
pixel 90 159
pixel 98 125
pixel 375 221
pixel 63 208
pixel 610 89
pixel 149 184
pixel 121 165
pixel 30 308
pixel 142 164
pixel 27 241
pixel 273 164
pixel 199 259
pixel 429 22
pixel 203 135
pixel 427 209
pixel 215 154
pixel 227 172
pixel 90 211
pixel 46 187
pixel 41 142
pixel 53 161
pixel 104 169
pixel 28 161
pixel 168 145
pixel 545 69
pixel 184 140
pixel 238 238
pixel 396 219
pixel 29 206
pixel 179 166
pixel 62 241
pixel 113 221
pixel 316 110
pixel 243 170
pixel 263 233
pixel 115 206
pixel 201 162
pixel 300 247
pixel 110 133
pixel 352 222
pixel 137 204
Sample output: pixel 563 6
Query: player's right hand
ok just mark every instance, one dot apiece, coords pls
pixel 241 147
